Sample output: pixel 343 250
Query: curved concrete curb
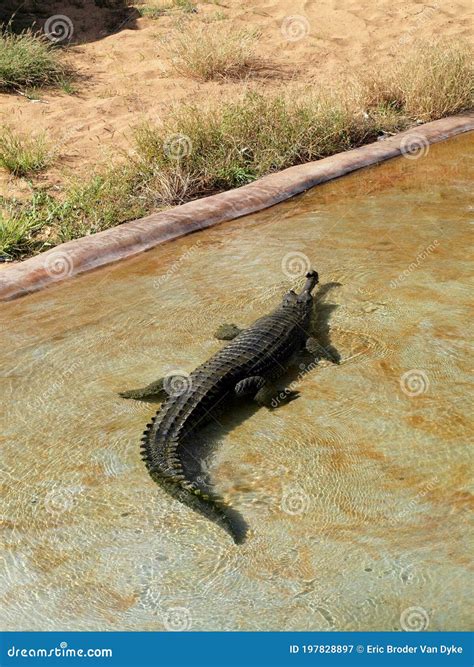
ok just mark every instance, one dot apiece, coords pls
pixel 130 238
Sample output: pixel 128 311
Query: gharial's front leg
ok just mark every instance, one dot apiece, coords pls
pixel 318 351
pixel 227 332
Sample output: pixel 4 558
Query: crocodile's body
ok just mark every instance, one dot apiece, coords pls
pixel 255 356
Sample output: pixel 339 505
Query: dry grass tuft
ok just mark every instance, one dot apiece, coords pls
pixel 199 53
pixel 431 81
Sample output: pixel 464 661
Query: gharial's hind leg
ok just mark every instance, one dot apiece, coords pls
pixel 249 386
pixel 155 389
pixel 264 394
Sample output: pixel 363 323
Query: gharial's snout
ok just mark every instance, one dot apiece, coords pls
pixel 312 279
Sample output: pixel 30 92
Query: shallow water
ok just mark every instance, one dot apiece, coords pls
pixel 356 494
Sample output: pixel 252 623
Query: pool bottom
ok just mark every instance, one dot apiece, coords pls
pixel 356 494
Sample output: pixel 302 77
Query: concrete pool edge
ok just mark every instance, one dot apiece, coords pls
pixel 130 238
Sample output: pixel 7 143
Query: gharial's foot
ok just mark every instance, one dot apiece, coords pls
pixel 155 389
pixel 227 332
pixel 314 348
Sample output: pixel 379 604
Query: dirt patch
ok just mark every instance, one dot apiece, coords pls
pixel 125 77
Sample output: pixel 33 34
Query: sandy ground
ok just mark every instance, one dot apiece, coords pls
pixel 125 77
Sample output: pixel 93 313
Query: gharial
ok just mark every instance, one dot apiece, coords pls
pixel 244 367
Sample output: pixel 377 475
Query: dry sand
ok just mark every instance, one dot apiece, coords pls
pixel 126 76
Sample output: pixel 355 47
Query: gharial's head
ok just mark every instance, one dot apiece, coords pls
pixel 302 302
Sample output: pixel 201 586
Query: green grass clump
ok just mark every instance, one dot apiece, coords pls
pixel 151 12
pixel 29 60
pixel 106 200
pixel 187 6
pixel 19 223
pixel 155 11
pixel 24 155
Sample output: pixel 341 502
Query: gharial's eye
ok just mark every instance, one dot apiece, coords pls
pixel 290 297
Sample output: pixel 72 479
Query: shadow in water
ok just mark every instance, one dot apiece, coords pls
pixel 320 322
pixel 199 448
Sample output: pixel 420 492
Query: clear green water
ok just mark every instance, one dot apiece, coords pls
pixel 356 494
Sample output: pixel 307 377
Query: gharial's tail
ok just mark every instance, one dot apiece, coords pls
pixel 205 503
pixel 172 479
